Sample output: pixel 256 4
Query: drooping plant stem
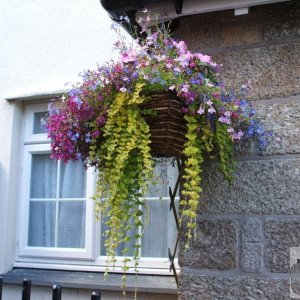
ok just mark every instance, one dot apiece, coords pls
pixel 127 171
pixel 202 140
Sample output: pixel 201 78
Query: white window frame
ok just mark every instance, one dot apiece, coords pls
pixel 39 144
pixel 87 259
pixel 29 136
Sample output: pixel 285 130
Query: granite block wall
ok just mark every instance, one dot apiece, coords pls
pixel 245 230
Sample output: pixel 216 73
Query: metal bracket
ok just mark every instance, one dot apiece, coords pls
pixel 172 195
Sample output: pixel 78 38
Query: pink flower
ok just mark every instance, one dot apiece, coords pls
pixel 181 46
pixel 128 56
pixel 216 95
pixel 204 58
pixel 238 135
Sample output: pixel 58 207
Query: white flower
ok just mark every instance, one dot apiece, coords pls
pixel 211 110
pixel 185 88
pixel 123 89
pixel 200 110
pixel 209 102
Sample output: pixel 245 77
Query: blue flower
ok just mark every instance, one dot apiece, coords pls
pixel 155 80
pixel 74 92
pixel 78 101
pixel 75 137
pixel 244 104
pixel 94 87
pixel 88 138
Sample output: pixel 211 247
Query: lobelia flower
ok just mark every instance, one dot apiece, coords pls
pixel 201 110
pixel 211 110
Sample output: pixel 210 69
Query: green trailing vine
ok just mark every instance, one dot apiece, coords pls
pixel 223 141
pixel 124 178
pixel 202 142
pixel 192 176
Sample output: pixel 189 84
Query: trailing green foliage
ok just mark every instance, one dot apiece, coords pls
pixel 223 141
pixel 123 180
pixel 192 175
pixel 202 142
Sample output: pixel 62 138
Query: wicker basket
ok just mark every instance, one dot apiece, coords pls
pixel 168 126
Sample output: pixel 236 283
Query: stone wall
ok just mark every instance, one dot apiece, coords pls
pixel 245 230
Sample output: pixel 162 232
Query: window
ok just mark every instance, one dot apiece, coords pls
pixel 57 222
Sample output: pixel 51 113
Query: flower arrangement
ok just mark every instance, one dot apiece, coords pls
pixel 102 121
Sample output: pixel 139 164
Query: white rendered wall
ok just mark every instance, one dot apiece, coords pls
pixel 43 45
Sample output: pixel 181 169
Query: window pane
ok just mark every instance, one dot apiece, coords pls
pixel 43 176
pixel 71 224
pixel 166 176
pixel 160 188
pixel 37 122
pixel 160 231
pixel 72 180
pixel 41 224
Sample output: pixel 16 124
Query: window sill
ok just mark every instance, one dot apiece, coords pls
pixel 92 280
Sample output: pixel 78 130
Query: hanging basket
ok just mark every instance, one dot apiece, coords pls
pixel 167 126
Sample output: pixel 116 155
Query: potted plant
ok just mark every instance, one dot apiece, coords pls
pixel 157 99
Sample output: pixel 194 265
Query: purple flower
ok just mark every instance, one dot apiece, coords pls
pixel 224 120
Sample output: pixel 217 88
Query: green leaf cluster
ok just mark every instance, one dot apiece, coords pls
pixel 205 140
pixel 125 169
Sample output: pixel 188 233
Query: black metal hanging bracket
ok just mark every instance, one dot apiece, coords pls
pixel 172 195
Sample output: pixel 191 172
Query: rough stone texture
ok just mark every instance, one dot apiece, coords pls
pixel 263 46
pixel 282 21
pixel 196 287
pixel 283 120
pixel 214 248
pixel 280 236
pixel 261 187
pixel 223 30
pixel 197 31
pixel 273 70
pixel 295 279
pixel 252 230
pixel 252 257
pixel 237 34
